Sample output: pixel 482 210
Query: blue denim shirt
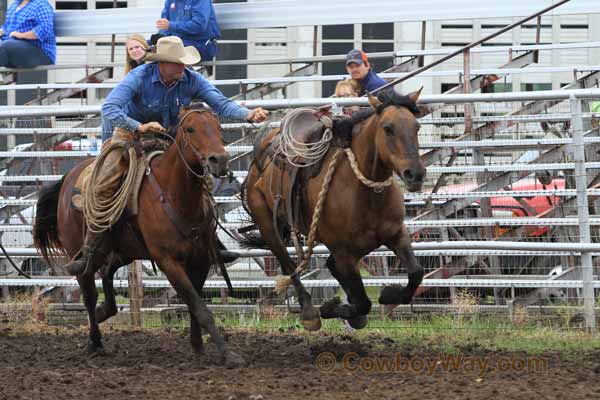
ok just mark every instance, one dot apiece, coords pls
pixel 195 22
pixel 371 82
pixel 37 16
pixel 142 97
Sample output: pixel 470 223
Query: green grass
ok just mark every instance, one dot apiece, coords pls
pixel 441 333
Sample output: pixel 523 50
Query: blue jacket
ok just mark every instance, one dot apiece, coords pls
pixel 141 97
pixel 194 21
pixel 371 82
pixel 37 16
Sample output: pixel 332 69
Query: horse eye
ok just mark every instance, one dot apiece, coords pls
pixel 189 130
pixel 388 130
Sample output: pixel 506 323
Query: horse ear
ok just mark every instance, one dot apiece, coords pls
pixel 414 96
pixel 374 102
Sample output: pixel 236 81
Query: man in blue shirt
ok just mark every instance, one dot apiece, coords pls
pixel 28 35
pixel 194 21
pixel 357 65
pixel 148 100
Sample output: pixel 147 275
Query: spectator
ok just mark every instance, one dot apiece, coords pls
pixel 194 21
pixel 135 51
pixel 28 35
pixel 357 65
pixel 347 88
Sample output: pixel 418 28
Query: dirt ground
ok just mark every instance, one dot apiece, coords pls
pixel 160 365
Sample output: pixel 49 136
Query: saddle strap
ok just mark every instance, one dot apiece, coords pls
pixel 180 224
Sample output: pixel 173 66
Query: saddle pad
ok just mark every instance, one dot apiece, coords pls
pixel 132 201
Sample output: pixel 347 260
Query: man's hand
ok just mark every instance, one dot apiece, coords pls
pixel 151 127
pixel 257 115
pixel 16 35
pixel 163 24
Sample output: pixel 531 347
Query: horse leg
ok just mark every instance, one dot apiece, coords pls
pixel 108 308
pixel 395 294
pixel 346 270
pixel 177 276
pixel 197 277
pixel 90 297
pixel 262 215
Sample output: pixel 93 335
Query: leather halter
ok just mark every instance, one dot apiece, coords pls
pixel 186 143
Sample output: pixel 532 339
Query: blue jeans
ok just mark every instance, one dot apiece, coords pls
pixel 17 53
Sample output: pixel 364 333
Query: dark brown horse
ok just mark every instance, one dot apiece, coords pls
pixel 185 259
pixel 355 219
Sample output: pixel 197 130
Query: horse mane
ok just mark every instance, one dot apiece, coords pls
pixel 392 98
pixel 195 106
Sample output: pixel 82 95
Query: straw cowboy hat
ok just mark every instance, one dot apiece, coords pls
pixel 170 49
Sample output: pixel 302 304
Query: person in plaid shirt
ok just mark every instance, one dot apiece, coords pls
pixel 27 35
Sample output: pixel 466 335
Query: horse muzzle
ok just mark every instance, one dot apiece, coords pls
pixel 413 177
pixel 218 164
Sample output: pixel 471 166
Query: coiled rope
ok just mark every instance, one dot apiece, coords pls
pixel 310 152
pixel 99 214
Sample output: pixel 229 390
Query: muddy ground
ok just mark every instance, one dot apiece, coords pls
pixel 279 365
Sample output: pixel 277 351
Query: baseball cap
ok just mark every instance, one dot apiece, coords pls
pixel 356 56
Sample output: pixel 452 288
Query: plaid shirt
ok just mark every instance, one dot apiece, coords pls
pixel 37 16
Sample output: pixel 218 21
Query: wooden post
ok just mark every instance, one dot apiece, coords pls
pixel 136 293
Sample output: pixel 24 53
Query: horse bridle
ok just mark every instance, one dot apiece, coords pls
pixel 186 143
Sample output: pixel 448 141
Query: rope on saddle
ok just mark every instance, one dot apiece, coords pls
pixel 100 214
pixel 377 187
pixel 311 152
pixel 285 281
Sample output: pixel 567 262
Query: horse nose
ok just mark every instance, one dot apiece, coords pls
pixel 218 164
pixel 413 177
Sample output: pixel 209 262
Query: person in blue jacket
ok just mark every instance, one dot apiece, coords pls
pixel 194 21
pixel 357 65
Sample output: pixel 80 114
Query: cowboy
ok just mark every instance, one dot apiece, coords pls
pixel 148 100
pixel 357 65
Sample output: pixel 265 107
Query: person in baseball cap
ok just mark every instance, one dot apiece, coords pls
pixel 357 65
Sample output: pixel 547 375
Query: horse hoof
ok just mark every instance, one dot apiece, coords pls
pixel 311 319
pixel 233 360
pixel 358 322
pixel 94 351
pixel 328 309
pixel 312 325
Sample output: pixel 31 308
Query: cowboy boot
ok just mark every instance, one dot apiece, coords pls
pixel 93 253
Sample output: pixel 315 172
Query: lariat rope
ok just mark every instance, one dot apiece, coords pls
pixel 311 152
pixel 377 187
pixel 99 214
pixel 285 281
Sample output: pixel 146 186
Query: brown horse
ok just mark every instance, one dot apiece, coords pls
pixel 185 258
pixel 355 219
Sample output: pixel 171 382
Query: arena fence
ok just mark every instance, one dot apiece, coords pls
pixel 503 254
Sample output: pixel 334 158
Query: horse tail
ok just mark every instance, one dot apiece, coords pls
pixel 45 228
pixel 252 240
